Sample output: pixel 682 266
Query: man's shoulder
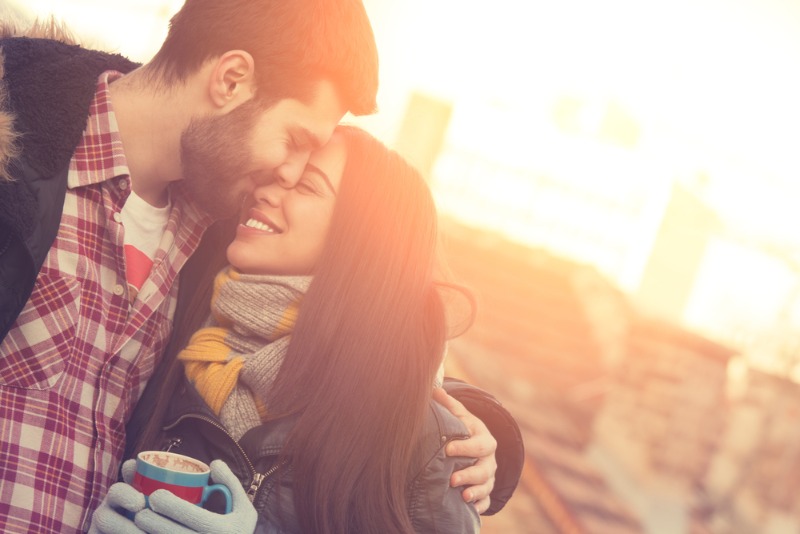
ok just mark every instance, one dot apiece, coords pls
pixel 21 52
pixel 47 87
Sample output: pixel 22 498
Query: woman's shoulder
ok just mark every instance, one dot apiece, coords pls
pixel 440 428
pixel 444 423
pixel 430 477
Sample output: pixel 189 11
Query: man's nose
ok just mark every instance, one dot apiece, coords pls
pixel 290 172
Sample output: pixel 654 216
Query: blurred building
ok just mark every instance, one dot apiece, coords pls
pixel 581 178
pixel 627 418
pixel 680 246
pixel 582 370
pixel 533 317
pixel 535 345
pixel 575 180
pixel 571 491
pixel 585 258
pixel 664 413
pixel 753 484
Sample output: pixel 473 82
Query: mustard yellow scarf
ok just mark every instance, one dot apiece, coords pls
pixel 234 360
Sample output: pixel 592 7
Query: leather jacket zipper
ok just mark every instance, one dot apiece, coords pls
pixel 257 479
pixel 173 442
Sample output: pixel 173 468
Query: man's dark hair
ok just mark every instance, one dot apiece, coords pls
pixel 295 43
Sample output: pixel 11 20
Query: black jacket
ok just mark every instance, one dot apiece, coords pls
pixel 192 429
pixel 45 94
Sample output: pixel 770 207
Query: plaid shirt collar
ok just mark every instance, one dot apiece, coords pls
pixel 101 156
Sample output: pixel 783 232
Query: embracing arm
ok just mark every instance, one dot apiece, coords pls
pixel 481 411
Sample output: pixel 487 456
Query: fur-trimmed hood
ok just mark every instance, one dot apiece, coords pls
pixel 45 93
pixel 9 148
pixel 47 87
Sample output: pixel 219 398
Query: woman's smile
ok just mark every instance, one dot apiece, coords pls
pixel 259 221
pixel 283 228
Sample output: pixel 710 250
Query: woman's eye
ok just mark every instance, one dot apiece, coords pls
pixel 306 187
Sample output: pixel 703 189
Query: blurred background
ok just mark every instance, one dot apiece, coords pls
pixel 618 183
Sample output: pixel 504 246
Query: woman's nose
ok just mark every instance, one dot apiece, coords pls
pixel 271 193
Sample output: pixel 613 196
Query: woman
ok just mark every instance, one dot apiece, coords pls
pixel 317 390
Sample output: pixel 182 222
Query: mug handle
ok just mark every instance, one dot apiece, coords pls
pixel 208 490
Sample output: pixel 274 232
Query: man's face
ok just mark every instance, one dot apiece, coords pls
pixel 225 157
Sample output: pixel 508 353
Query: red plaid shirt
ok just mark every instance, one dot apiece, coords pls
pixel 78 357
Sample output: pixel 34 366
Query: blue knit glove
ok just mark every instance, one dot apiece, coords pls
pixel 110 517
pixel 169 514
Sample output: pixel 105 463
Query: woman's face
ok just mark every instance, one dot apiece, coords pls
pixel 284 229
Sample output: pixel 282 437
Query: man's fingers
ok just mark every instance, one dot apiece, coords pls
pixel 478 479
pixel 476 475
pixel 482 505
pixel 478 492
pixel 453 406
pixel 474 447
pixel 481 443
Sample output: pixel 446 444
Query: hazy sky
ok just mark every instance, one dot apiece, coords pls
pixel 724 72
pixel 721 72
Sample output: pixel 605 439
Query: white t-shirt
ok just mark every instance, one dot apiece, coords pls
pixel 144 226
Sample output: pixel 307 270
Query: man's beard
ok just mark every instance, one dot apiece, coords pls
pixel 215 158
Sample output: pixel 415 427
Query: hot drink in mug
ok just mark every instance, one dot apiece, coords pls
pixel 183 476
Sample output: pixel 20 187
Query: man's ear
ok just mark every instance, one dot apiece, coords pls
pixel 232 81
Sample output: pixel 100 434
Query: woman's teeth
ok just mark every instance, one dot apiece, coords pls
pixel 258 225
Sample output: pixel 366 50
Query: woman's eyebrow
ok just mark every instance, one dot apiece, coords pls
pixel 313 168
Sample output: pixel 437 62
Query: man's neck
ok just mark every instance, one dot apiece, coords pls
pixel 150 124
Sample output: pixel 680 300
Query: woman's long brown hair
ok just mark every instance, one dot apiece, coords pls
pixel 364 352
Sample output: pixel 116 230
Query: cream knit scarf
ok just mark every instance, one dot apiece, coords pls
pixel 234 360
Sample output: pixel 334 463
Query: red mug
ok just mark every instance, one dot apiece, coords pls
pixel 181 475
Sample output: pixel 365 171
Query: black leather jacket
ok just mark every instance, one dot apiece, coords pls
pixel 191 428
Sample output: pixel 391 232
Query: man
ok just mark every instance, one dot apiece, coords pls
pixel 97 220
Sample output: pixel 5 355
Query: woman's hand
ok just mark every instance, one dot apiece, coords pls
pixel 169 514
pixel 479 478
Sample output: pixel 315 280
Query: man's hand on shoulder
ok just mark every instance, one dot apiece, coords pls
pixel 478 478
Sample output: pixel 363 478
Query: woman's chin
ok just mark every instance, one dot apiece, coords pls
pixel 234 257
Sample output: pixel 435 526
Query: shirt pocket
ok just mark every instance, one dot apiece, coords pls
pixel 35 352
